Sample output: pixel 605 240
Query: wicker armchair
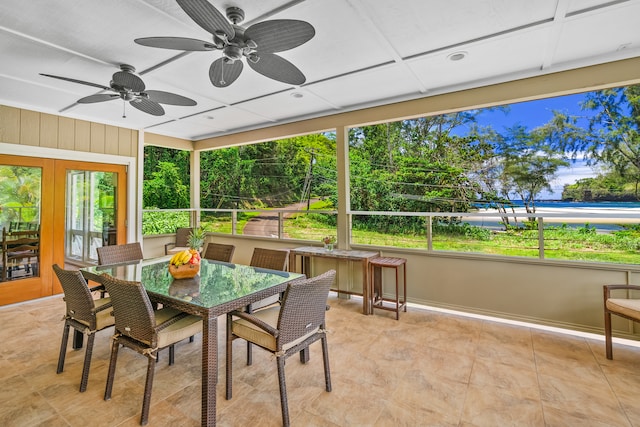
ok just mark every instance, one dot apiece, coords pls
pixel 181 243
pixel 273 259
pixel 119 253
pixel 219 252
pixel 84 314
pixel 140 328
pixel 286 329
pixel 629 308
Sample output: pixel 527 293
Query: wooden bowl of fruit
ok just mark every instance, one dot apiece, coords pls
pixel 185 264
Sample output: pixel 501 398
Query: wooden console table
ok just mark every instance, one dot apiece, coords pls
pixel 307 252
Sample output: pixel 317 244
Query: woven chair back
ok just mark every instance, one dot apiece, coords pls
pixel 80 304
pixel 219 252
pixel 273 259
pixel 303 307
pixel 132 309
pixel 182 236
pixel 116 254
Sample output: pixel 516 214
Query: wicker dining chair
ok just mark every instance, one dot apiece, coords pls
pixel 145 330
pixel 84 314
pixel 286 329
pixel 119 253
pixel 273 259
pixel 219 252
pixel 181 243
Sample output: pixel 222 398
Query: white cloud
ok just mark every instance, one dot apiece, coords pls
pixel 569 175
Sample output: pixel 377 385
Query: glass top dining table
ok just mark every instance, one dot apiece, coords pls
pixel 218 289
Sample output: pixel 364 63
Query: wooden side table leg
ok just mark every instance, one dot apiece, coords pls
pixel 366 304
pixel 404 284
pixel 397 295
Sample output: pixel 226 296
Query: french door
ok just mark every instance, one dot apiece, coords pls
pixel 76 206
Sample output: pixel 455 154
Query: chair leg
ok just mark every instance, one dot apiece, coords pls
pixel 172 354
pixel 115 345
pixel 249 310
pixel 283 392
pixel 607 335
pixel 305 355
pixel 63 348
pixel 146 401
pixel 87 362
pixel 325 358
pixel 229 370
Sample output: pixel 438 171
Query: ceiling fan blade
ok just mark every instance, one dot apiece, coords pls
pixel 100 97
pixel 169 98
pixel 128 80
pixel 177 43
pixel 223 73
pixel 207 16
pixel 277 68
pixel 280 34
pixel 82 82
pixel 147 106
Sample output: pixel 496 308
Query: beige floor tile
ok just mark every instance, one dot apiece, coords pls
pixel 428 368
pixel 520 382
pixel 557 418
pixel 498 406
pixel 588 400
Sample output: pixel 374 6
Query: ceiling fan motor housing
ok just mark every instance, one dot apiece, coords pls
pixel 235 14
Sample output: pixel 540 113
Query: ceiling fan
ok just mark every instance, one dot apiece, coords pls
pixel 257 44
pixel 126 85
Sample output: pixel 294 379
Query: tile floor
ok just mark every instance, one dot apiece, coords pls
pixel 429 368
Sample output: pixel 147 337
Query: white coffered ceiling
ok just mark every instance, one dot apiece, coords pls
pixel 364 53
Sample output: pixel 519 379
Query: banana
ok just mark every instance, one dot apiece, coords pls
pixel 181 258
pixel 174 259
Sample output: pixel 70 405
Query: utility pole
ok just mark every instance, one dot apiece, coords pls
pixel 306 190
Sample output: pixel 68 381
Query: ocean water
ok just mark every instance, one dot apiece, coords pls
pixel 575 205
pixel 563 207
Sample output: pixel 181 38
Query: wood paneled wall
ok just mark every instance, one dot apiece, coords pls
pixel 19 126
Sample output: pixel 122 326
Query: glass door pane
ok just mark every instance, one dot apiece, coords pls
pixel 20 211
pixel 90 214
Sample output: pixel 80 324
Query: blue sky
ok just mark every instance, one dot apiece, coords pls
pixel 532 114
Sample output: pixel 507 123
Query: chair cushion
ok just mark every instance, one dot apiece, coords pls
pixel 274 299
pixel 104 318
pixel 182 329
pixel 628 306
pixel 250 332
pixel 176 249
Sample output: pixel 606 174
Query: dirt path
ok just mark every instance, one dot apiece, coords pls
pixel 267 224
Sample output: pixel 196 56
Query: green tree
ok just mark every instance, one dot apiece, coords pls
pixel 272 173
pixel 529 164
pixel 612 136
pixel 154 155
pixel 165 189
pixel 20 193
